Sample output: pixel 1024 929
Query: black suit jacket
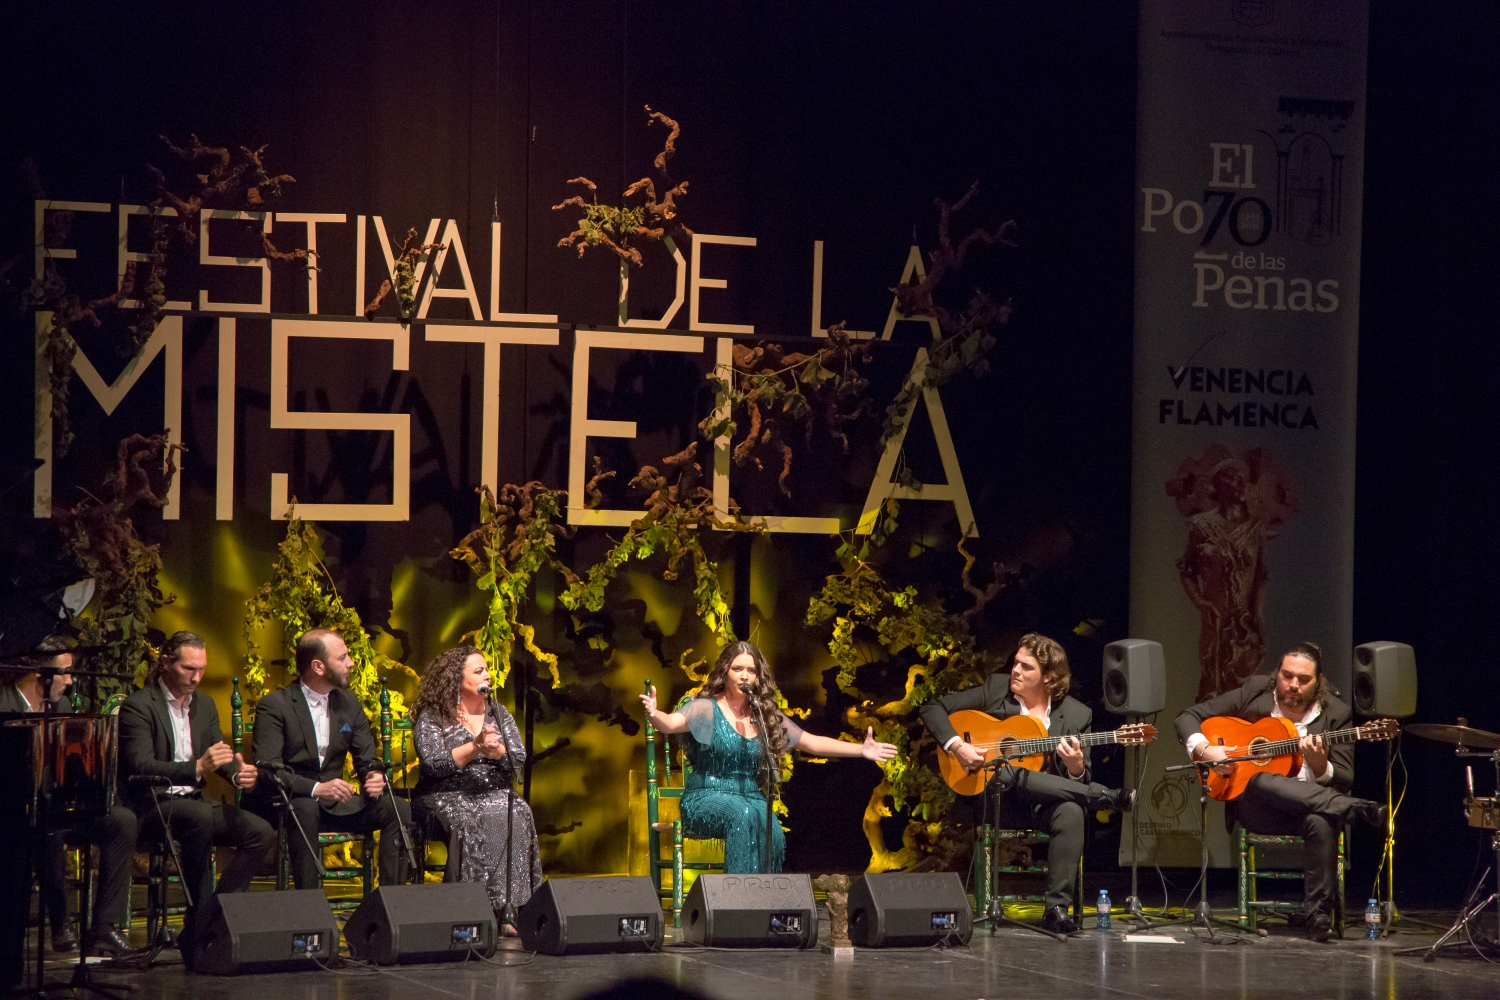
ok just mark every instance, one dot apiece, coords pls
pixel 1069 717
pixel 1253 701
pixel 12 700
pixel 284 734
pixel 146 742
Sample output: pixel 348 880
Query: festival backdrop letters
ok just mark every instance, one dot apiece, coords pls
pixel 1250 145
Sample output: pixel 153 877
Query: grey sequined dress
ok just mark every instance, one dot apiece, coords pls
pixel 471 805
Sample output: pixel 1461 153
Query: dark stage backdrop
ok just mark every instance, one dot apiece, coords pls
pixel 799 125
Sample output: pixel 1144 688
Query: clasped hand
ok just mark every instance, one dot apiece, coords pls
pixel 488 742
pixel 216 756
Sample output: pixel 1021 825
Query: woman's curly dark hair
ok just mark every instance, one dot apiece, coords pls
pixel 441 683
pixel 762 694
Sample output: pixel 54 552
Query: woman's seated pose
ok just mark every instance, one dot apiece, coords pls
pixel 469 750
pixel 721 799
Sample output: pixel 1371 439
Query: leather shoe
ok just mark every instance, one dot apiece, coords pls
pixel 1376 814
pixel 64 938
pixel 1319 927
pixel 1124 799
pixel 106 939
pixel 1057 921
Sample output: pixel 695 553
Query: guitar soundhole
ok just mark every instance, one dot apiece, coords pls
pixel 1261 758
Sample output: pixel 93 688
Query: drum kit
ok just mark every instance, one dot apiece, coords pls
pixel 1482 812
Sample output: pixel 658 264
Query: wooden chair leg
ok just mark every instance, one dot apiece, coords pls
pixel 677 873
pixel 1244 890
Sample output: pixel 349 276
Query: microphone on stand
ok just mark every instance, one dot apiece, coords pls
pixel 152 780
pixel 485 689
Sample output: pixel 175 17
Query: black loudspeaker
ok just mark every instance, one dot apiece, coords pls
pixel 422 923
pixel 751 911
pixel 1385 680
pixel 1135 677
pixel 907 910
pixel 248 932
pixel 580 916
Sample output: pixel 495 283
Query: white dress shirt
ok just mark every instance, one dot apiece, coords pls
pixel 1044 717
pixel 1326 778
pixel 317 706
pixel 182 732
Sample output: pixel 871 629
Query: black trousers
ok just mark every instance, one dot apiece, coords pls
pixel 1282 806
pixel 378 814
pixel 1042 801
pixel 198 826
pixel 114 833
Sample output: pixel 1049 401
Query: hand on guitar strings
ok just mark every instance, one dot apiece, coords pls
pixel 1070 753
pixel 1313 754
pixel 1210 752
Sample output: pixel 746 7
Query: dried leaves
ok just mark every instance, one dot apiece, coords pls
pixel 405 285
pixel 777 391
pixel 615 227
pixel 242 183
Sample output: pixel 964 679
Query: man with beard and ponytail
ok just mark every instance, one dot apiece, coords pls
pixel 1054 798
pixel 1314 804
pixel 722 800
pixel 303 734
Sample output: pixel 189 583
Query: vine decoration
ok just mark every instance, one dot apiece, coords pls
pixel 405 285
pixel 299 596
pixel 678 509
pixel 517 536
pixel 967 336
pixel 616 226
pixel 874 622
pixel 100 534
pixel 776 390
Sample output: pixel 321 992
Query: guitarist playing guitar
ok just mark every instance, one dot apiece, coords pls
pixel 1055 797
pixel 1314 803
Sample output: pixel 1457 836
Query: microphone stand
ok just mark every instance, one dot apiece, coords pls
pixel 996 914
pixel 166 832
pixel 507 916
pixel 773 777
pixel 1204 916
pixel 282 772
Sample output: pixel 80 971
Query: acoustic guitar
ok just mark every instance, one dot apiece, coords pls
pixel 1022 740
pixel 1274 744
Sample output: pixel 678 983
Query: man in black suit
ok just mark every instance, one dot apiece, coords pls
pixel 1054 798
pixel 169 731
pixel 310 728
pixel 1314 804
pixel 114 832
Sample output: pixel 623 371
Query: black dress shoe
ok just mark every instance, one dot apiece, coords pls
pixel 1057 921
pixel 64 938
pixel 1376 814
pixel 1124 799
pixel 1319 927
pixel 106 939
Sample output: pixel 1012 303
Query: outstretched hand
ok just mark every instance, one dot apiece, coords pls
pixel 649 701
pixel 877 752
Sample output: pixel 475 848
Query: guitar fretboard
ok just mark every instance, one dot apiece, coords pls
pixel 1279 748
pixel 1047 744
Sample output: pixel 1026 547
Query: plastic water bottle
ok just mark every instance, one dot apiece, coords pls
pixel 1372 921
pixel 1102 921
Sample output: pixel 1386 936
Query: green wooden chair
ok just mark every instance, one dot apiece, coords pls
pixel 658 788
pixel 242 728
pixel 1249 873
pixel 989 871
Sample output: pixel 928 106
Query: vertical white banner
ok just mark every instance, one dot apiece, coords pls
pixel 1249 179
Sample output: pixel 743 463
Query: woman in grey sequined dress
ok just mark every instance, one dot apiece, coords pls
pixel 469 749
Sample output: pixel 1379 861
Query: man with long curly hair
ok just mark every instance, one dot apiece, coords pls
pixel 1054 798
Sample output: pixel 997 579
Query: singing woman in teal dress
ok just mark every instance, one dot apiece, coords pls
pixel 722 797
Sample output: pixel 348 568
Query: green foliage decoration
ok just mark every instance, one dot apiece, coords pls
pixel 299 596
pixel 516 537
pixel 100 534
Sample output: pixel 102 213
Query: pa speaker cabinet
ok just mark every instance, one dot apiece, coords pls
pixel 751 911
pixel 906 909
pixel 1135 677
pixel 580 916
pixel 401 924
pixel 249 932
pixel 1385 680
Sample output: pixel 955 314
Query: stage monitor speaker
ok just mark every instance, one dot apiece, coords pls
pixel 1135 677
pixel 908 910
pixel 751 911
pixel 252 932
pixel 1385 680
pixel 581 916
pixel 402 924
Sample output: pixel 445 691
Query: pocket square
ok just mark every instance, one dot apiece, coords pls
pixel 345 728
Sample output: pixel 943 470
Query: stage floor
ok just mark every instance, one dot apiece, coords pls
pixel 1014 963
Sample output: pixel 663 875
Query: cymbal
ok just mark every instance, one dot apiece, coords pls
pixel 1478 739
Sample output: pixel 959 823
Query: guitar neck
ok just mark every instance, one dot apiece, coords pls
pixel 1048 744
pixel 1278 748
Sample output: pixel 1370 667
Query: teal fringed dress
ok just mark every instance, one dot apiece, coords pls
pixel 721 798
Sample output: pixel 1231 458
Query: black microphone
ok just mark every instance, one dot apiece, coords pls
pixel 744 687
pixel 150 780
pixel 484 689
